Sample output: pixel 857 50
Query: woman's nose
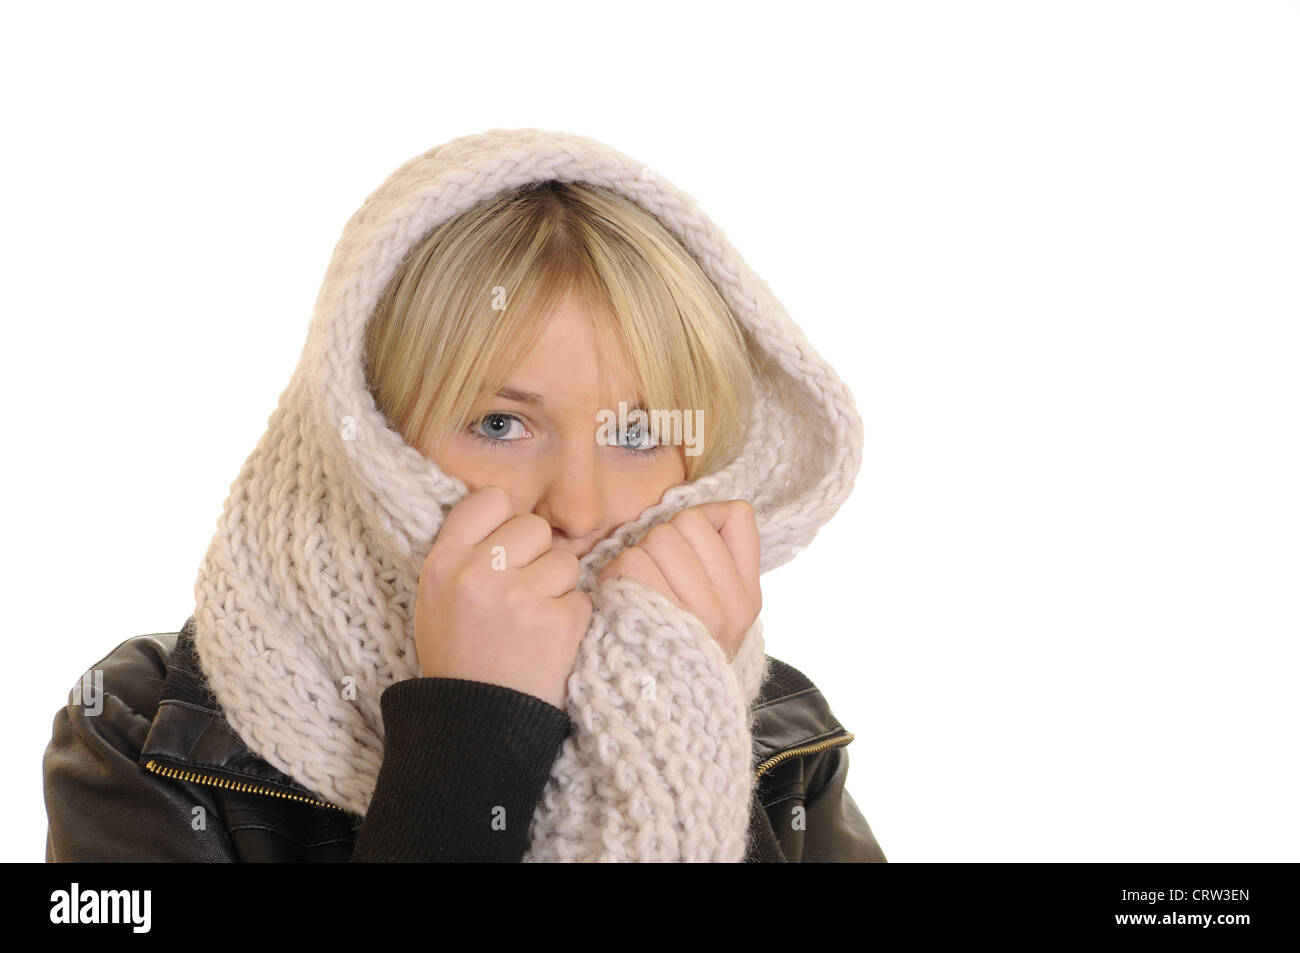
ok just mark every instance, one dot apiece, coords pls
pixel 573 499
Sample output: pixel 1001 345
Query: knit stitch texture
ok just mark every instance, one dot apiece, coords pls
pixel 307 593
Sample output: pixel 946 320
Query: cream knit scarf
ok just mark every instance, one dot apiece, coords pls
pixel 305 600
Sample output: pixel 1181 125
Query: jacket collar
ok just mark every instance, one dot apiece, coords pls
pixel 190 734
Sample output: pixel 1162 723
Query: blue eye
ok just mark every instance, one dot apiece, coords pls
pixel 498 423
pixel 640 440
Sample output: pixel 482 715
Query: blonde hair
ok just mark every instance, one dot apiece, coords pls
pixel 440 343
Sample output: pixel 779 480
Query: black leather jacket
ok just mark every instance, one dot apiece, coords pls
pixel 132 765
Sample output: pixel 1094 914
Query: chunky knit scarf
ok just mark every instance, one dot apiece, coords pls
pixel 305 600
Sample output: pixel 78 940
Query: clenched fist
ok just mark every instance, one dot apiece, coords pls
pixel 497 602
pixel 705 560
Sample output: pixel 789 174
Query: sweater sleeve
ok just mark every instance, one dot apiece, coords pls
pixel 464 765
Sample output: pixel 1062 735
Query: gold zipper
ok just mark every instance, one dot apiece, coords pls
pixel 777 758
pixel 245 786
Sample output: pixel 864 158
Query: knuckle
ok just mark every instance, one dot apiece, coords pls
pixel 494 493
pixel 436 568
pixel 465 576
pixel 691 520
pixel 659 533
pixel 635 560
pixel 516 598
pixel 432 562
pixel 537 523
pixel 689 515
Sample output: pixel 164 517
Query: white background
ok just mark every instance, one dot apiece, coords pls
pixel 1051 247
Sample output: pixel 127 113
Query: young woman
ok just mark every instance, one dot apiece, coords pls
pixel 488 586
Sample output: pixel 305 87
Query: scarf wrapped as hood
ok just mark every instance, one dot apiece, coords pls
pixel 310 581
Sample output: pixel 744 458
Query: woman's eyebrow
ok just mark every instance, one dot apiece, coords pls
pixel 520 396
pixel 528 397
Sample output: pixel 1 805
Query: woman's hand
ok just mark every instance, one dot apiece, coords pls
pixel 497 602
pixel 705 560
